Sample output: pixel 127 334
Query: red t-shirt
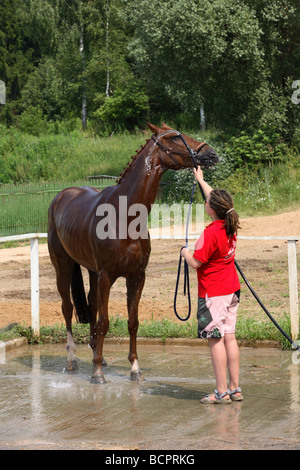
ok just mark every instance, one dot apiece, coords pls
pixel 217 275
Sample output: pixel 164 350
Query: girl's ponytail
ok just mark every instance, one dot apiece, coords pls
pixel 221 201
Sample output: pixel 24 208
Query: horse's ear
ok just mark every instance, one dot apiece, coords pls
pixel 165 126
pixel 152 127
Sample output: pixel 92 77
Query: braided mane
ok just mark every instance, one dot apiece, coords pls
pixel 129 164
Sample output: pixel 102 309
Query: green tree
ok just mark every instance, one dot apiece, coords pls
pixel 16 56
pixel 57 84
pixel 234 58
pixel 271 103
pixel 126 109
pixel 115 59
pixel 87 45
pixel 201 53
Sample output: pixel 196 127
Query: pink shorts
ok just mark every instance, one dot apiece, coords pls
pixel 217 315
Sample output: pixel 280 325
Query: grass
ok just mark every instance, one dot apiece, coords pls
pixel 248 329
pixel 265 190
pixel 68 157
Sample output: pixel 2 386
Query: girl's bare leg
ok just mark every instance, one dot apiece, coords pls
pixel 219 362
pixel 233 360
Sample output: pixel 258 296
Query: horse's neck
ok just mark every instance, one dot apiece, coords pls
pixel 141 180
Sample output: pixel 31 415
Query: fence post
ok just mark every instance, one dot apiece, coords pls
pixel 293 285
pixel 35 295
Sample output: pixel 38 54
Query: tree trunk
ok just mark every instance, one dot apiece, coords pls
pixel 84 103
pixel 107 48
pixel 202 118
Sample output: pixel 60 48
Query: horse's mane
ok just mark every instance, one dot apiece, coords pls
pixel 131 161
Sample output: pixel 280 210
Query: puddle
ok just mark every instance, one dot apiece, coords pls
pixel 44 406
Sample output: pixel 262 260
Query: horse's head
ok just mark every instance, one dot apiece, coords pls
pixel 181 151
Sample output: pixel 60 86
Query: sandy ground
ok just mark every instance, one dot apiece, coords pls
pixel 263 262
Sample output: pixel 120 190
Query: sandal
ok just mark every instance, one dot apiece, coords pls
pixel 232 394
pixel 219 398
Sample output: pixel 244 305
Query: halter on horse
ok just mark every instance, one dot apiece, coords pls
pixel 73 240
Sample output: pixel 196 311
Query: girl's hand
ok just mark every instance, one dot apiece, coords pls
pixel 198 173
pixel 183 251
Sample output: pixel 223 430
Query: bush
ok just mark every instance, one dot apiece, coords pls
pixel 256 146
pixel 126 109
pixel 32 121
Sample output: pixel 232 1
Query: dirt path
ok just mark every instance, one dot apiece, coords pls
pixel 264 263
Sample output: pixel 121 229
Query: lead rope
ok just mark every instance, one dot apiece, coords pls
pixel 186 285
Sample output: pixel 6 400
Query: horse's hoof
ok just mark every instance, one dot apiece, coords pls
pixel 98 379
pixel 136 376
pixel 72 365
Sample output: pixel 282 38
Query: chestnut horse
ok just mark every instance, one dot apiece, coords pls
pixel 74 240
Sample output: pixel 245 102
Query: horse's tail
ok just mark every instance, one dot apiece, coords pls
pixel 78 294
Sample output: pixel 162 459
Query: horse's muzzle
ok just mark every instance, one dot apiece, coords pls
pixel 207 159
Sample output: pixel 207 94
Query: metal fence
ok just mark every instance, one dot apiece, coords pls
pixel 24 207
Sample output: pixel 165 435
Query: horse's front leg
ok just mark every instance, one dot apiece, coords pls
pixel 93 307
pixel 135 284
pixel 101 327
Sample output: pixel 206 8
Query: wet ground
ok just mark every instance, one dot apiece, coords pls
pixel 44 407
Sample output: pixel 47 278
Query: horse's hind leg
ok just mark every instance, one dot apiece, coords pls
pixel 63 279
pixel 135 286
pixel 93 307
pixel 63 265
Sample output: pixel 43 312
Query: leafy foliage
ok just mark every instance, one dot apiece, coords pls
pixel 125 61
pixel 126 108
pixel 258 146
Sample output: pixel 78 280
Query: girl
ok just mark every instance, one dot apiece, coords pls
pixel 218 290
